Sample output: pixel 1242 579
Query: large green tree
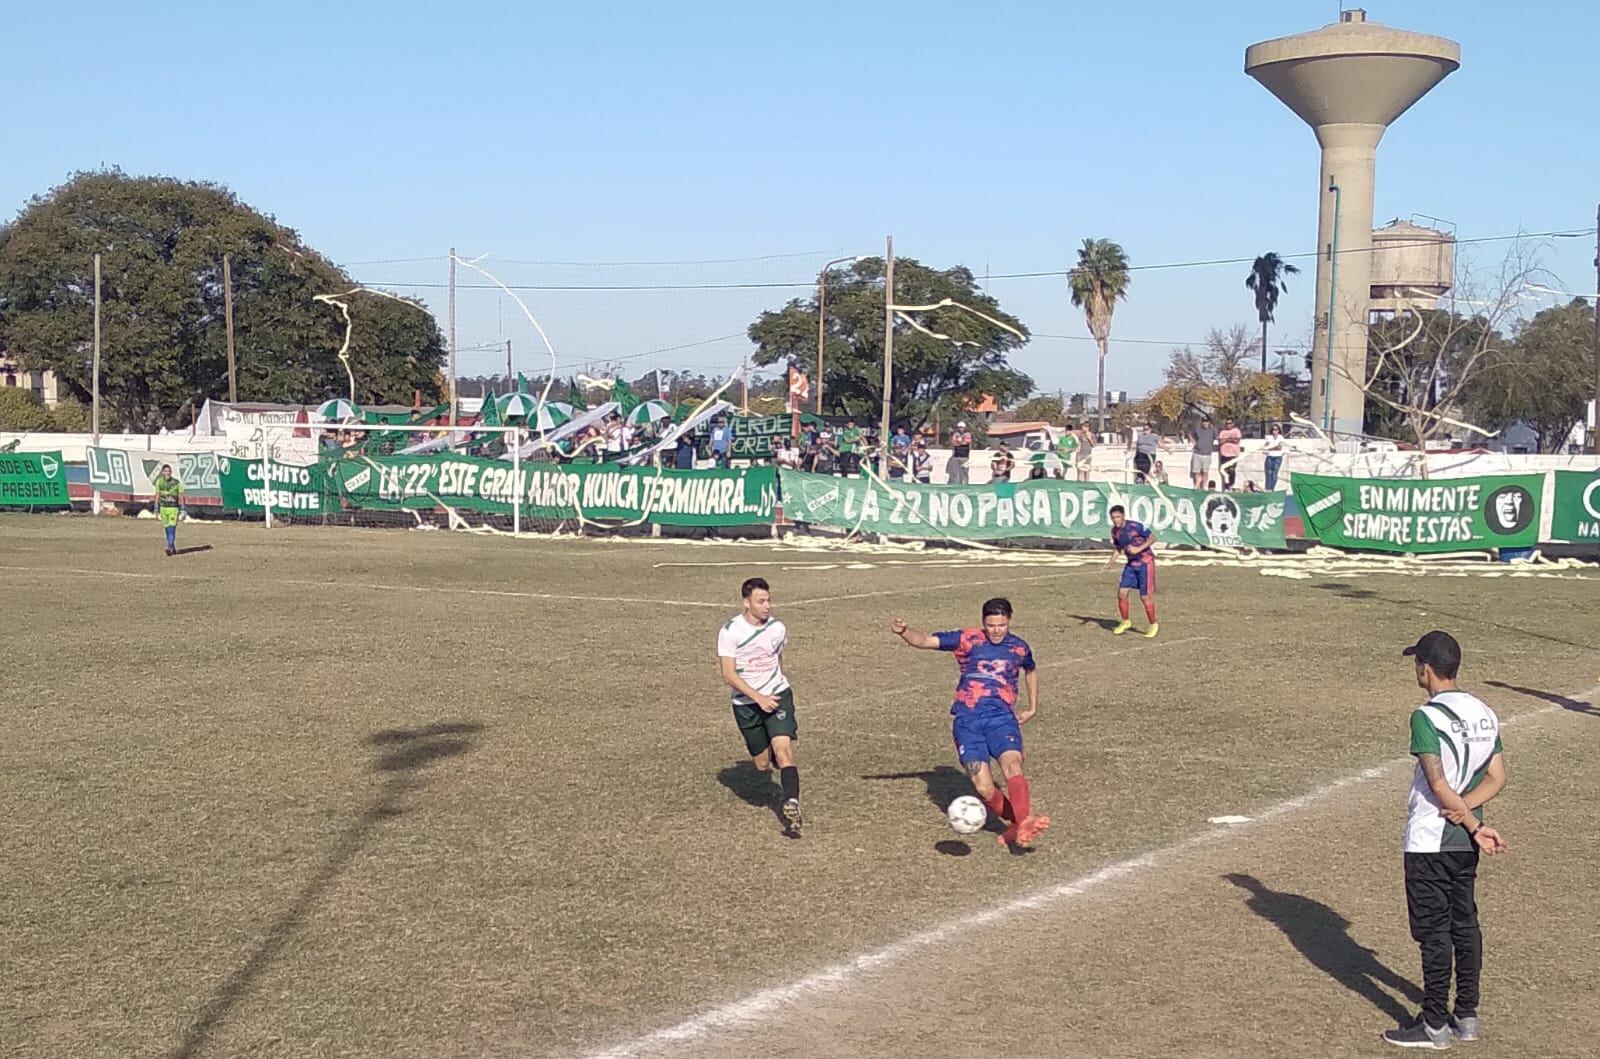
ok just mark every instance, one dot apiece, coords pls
pixel 163 342
pixel 929 371
pixel 1096 283
pixel 1547 380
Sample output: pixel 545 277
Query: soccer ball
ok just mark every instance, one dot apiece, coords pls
pixel 967 815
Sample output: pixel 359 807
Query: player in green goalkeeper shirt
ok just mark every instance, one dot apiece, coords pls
pixel 169 502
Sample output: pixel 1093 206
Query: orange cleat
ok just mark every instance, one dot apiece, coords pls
pixel 1030 829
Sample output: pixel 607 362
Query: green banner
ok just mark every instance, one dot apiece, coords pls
pixel 33 479
pixel 293 489
pixel 1437 515
pixel 1038 508
pixel 754 437
pixel 560 491
pixel 132 472
pixel 1575 514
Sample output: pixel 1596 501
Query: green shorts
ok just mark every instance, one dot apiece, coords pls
pixel 169 516
pixel 759 729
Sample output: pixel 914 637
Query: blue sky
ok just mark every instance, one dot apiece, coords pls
pixel 995 136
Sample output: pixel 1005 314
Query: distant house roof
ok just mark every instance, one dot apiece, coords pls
pixel 984 404
pixel 1007 429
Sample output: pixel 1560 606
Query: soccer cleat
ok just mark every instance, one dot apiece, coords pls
pixel 1419 1034
pixel 1030 828
pixel 791 814
pixel 1466 1027
pixel 1123 626
pixel 1150 633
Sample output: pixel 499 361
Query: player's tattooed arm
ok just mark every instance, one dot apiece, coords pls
pixel 1451 803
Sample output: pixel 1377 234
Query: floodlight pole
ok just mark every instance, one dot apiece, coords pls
pixel 888 351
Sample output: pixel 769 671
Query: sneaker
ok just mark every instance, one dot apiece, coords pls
pixel 1150 633
pixel 1466 1027
pixel 1121 628
pixel 791 813
pixel 1419 1035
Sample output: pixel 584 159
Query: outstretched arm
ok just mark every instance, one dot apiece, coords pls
pixel 924 641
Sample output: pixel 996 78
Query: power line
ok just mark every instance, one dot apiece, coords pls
pixel 810 282
pixel 604 264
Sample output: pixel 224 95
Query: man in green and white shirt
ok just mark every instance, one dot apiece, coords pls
pixel 750 656
pixel 1455 738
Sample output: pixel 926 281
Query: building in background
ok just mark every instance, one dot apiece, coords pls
pixel 1412 268
pixel 42 383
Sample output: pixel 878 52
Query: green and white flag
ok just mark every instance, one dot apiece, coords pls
pixel 1416 516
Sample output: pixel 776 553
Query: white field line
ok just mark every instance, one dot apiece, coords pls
pixel 767 1002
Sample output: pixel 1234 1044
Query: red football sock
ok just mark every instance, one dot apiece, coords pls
pixel 1017 786
pixel 1150 610
pixel 999 805
pixel 1122 607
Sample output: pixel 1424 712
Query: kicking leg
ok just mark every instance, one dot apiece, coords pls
pixel 1028 826
pixel 998 804
pixel 1122 609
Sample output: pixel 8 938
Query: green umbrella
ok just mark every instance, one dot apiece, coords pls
pixel 338 409
pixel 649 412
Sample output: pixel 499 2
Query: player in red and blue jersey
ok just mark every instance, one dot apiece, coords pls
pixel 1137 544
pixel 988 723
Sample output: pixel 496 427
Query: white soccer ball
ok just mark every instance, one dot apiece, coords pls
pixel 967 815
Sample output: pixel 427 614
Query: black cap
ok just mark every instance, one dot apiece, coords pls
pixel 1437 649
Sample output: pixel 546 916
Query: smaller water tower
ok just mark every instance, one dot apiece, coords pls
pixel 1412 267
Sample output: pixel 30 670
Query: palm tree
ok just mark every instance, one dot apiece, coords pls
pixel 1266 280
pixel 1099 281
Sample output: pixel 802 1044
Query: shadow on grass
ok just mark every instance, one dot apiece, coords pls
pixel 754 787
pixel 1322 936
pixel 1105 623
pixel 1565 702
pixel 944 783
pixel 402 753
pixel 952 847
pixel 1417 606
pixel 196 550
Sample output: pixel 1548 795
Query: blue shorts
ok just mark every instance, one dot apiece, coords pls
pixel 1139 576
pixel 982 736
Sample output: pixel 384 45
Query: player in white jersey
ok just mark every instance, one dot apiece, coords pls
pixel 1460 766
pixel 750 654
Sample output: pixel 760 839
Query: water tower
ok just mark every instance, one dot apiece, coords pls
pixel 1348 81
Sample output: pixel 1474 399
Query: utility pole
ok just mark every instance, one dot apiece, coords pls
pixel 454 402
pixel 1594 431
pixel 95 382
pixel 888 350
pixel 508 361
pixel 227 312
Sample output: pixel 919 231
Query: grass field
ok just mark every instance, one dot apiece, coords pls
pixel 330 792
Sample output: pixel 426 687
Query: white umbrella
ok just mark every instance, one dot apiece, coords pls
pixel 339 409
pixel 649 412
pixel 521 405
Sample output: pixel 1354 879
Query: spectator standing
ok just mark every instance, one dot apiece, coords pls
pixel 1204 439
pixel 960 453
pixel 850 449
pixel 787 455
pixel 1145 448
pixel 827 453
pixel 899 452
pixel 1274 449
pixel 721 441
pixel 921 462
pixel 683 452
pixel 1001 463
pixel 1230 449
